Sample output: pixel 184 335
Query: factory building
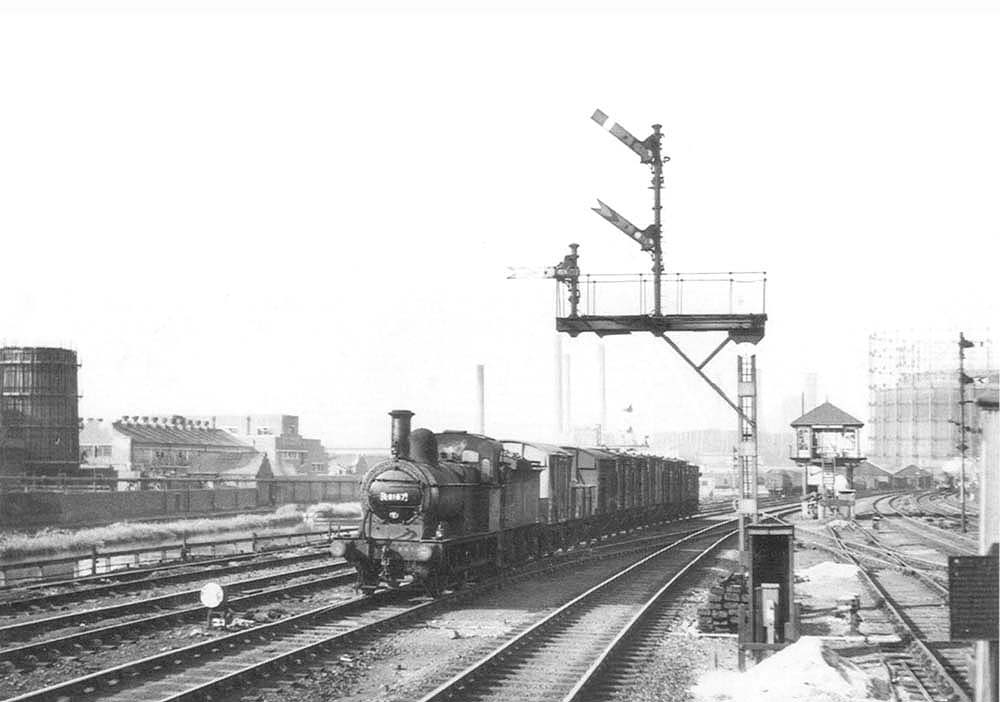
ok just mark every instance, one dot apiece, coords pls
pixel 142 447
pixel 277 436
pixel 354 461
pixel 38 411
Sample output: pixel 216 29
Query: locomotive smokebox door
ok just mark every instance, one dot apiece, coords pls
pixel 772 618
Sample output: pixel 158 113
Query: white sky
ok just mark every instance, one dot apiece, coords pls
pixel 310 211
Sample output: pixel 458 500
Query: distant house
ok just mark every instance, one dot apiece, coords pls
pixel 913 478
pixel 868 476
pixel 354 461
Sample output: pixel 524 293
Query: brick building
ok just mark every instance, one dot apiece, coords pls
pixel 277 436
pixel 138 447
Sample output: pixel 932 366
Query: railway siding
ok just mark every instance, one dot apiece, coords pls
pixel 925 662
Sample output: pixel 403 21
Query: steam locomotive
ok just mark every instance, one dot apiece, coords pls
pixel 450 505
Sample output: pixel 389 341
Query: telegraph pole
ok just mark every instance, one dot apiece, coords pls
pixel 657 186
pixel 963 446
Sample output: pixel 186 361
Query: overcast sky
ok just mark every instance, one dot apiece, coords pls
pixel 310 211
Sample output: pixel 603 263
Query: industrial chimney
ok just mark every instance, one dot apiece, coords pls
pixel 400 439
pixel 481 397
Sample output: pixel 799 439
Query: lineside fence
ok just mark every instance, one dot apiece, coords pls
pixel 28 502
pixel 97 561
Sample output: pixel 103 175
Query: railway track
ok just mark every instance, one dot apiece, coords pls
pixel 35 623
pixel 947 541
pixel 945 505
pixel 31 653
pixel 36 600
pixel 584 648
pixel 38 597
pixel 926 665
pixel 202 669
pixel 880 555
pixel 224 661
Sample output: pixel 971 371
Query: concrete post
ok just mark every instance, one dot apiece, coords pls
pixel 558 388
pixel 603 364
pixel 987 652
pixel 568 412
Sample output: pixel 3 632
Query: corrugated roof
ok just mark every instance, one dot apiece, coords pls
pixel 163 434
pixel 827 414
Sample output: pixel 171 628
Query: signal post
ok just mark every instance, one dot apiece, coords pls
pixel 580 316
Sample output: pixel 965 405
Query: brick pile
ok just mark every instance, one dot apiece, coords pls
pixel 721 614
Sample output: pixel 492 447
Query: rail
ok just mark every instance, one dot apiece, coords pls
pixel 959 544
pixel 905 625
pixel 250 593
pixel 463 685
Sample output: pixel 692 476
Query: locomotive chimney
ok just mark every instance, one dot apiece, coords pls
pixel 400 433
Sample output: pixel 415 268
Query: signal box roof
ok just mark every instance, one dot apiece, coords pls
pixel 827 415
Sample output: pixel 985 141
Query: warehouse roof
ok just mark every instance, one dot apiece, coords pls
pixel 180 435
pixel 827 414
